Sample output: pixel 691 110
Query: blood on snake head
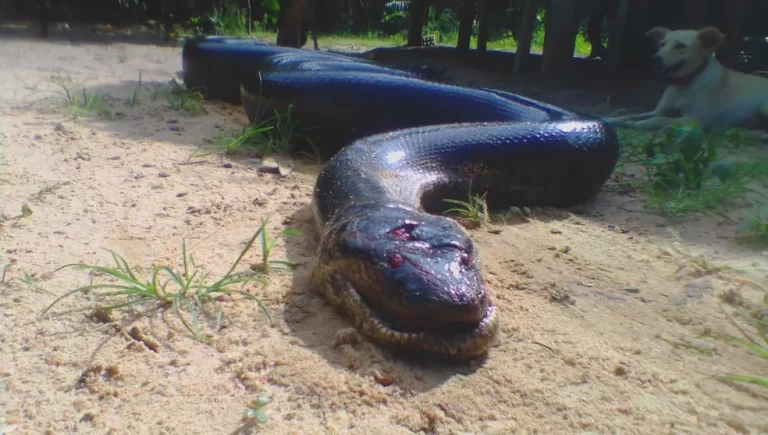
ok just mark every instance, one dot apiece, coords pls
pixel 416 271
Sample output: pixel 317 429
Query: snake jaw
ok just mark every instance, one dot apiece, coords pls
pixel 465 344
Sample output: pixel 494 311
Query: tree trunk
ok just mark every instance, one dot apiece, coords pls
pixel 167 20
pixel 559 37
pixel 416 29
pixel 358 16
pixel 43 17
pixel 636 50
pixel 466 20
pixel 527 26
pixel 734 30
pixel 250 18
pixel 289 23
pixel 484 25
pixel 618 24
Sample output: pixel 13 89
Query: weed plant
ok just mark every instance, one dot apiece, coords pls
pixel 187 292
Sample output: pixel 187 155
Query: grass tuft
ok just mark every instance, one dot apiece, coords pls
pixel 754 224
pixel 266 135
pixel 473 213
pixel 183 100
pixel 186 291
pixel 135 98
pixel 699 264
pixel 76 98
pixel 682 171
pixel 267 245
pixel 755 342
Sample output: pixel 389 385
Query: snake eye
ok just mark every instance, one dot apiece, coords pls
pixel 405 231
pixel 466 259
pixel 396 260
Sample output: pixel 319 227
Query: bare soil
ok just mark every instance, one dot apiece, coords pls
pixel 605 324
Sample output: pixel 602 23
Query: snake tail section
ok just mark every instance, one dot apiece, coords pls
pixel 216 65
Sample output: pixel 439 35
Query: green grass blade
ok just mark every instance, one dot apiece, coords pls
pixel 107 271
pixel 176 303
pixel 71 292
pixel 264 249
pixel 755 380
pixel 230 281
pixel 288 263
pixel 242 254
pixel 125 290
pixel 195 327
pixel 136 301
pixel 741 330
pixel 123 265
pixel 175 277
pixel 761 351
pixel 255 299
pixel 184 258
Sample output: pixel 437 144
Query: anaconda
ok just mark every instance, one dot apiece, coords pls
pixel 405 275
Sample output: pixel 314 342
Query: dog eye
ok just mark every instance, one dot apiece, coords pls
pixel 680 46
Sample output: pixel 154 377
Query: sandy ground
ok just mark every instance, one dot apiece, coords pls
pixel 602 333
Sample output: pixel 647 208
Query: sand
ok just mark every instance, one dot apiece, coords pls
pixel 606 320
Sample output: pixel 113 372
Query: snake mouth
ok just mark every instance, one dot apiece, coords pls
pixel 459 340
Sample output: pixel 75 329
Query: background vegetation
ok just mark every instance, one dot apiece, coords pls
pixel 381 23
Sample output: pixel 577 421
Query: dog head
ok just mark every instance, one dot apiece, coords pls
pixel 682 52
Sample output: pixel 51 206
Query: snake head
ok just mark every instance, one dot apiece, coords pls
pixel 414 272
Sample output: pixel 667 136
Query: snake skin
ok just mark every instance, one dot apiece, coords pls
pixel 406 276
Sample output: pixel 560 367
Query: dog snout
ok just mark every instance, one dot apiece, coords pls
pixel 657 61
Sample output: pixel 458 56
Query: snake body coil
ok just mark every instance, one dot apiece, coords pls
pixel 406 276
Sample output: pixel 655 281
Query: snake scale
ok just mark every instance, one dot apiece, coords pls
pixel 399 141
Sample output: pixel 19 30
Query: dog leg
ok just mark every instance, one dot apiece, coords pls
pixel 664 105
pixel 763 111
pixel 659 122
pixel 314 39
pixel 629 120
pixel 758 135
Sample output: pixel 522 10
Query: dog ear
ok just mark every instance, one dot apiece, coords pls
pixel 657 33
pixel 711 38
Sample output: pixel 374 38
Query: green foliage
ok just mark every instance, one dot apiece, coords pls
pixel 472 213
pixel 184 100
pixel 680 158
pixel 255 411
pixel 229 20
pixel 684 172
pixel 186 291
pixel 754 224
pixel 76 98
pixel 271 9
pixel 754 338
pixel 267 245
pixel 273 134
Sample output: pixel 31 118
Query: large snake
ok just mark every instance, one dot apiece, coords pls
pixel 405 275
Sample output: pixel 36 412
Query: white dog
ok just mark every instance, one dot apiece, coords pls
pixel 700 89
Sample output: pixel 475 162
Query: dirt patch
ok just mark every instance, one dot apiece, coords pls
pixel 604 325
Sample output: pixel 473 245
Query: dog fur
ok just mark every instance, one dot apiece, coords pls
pixel 700 89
